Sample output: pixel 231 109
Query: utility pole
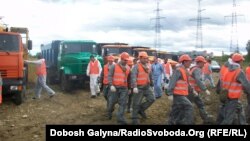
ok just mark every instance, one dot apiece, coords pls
pixel 157 26
pixel 234 45
pixel 199 19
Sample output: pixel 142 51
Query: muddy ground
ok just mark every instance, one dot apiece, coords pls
pixel 27 121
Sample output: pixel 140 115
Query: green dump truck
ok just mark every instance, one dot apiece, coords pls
pixel 67 61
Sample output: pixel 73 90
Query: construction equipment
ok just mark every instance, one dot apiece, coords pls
pixel 67 61
pixel 115 50
pixel 13 52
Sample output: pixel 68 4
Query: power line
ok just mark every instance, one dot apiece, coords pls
pixel 234 45
pixel 157 26
pixel 199 19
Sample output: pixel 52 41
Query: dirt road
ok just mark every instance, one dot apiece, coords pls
pixel 27 121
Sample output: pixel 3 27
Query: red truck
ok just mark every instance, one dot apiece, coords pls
pixel 13 52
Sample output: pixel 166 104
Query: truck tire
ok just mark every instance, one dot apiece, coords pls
pixel 19 96
pixel 65 83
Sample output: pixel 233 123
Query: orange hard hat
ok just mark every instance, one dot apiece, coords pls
pixel 200 59
pixel 143 54
pixel 237 57
pixel 185 57
pixel 125 56
pixel 111 58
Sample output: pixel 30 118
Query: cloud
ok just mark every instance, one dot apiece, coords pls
pixel 129 21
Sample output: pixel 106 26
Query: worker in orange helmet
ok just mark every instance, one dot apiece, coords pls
pixel 142 83
pixel 248 96
pixel 104 77
pixel 130 63
pixel 235 81
pixel 195 81
pixel 182 108
pixel 118 82
pixel 207 73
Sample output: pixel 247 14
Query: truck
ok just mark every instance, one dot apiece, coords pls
pixel 13 52
pixel 67 61
pixel 115 50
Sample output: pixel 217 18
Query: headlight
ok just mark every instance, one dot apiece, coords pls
pixel 73 77
pixel 13 88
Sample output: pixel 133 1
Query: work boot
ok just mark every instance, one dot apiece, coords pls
pixel 135 122
pixel 143 114
pixel 122 123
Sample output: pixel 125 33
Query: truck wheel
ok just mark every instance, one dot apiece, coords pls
pixel 19 97
pixel 65 83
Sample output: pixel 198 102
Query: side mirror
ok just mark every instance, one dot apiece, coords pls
pixel 29 44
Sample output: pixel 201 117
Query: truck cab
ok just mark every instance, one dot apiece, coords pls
pixel 68 61
pixel 13 71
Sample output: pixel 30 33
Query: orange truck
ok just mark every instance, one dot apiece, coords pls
pixel 13 52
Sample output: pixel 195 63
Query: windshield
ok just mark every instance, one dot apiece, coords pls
pixel 78 47
pixel 112 50
pixel 118 50
pixel 9 43
pixel 150 53
pixel 214 63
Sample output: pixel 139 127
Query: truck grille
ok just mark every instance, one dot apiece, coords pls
pixel 3 73
pixel 9 73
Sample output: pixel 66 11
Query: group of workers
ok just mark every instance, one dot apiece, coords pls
pixel 139 82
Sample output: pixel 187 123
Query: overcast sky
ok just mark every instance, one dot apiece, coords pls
pixel 129 21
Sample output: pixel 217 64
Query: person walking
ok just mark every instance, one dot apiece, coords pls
pixel 234 82
pixel 104 77
pixel 142 83
pixel 94 70
pixel 248 96
pixel 179 87
pixel 197 84
pixel 117 78
pixel 168 68
pixel 207 73
pixel 41 77
pixel 130 63
pixel 158 73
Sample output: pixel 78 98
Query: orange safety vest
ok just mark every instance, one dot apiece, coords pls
pixel 167 68
pixel 120 77
pixel 94 68
pixel 230 82
pixel 223 72
pixel 181 86
pixel 205 69
pixel 192 81
pixel 248 73
pixel 105 74
pixel 41 69
pixel 142 77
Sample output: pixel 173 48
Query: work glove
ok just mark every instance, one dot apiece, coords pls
pixel 195 93
pixel 170 97
pixel 165 80
pixel 135 90
pixel 165 86
pixel 207 92
pixel 112 88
